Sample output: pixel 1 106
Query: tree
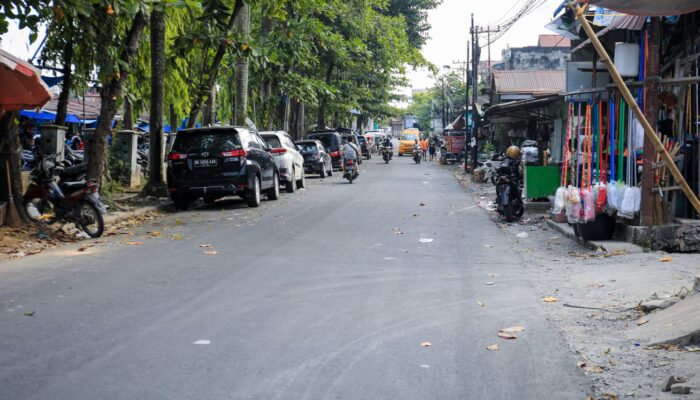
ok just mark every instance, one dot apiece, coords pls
pixel 241 104
pixel 157 112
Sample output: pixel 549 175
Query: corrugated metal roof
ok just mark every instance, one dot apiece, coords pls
pixel 553 41
pixel 650 7
pixel 534 82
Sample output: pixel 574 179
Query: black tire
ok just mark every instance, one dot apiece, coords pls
pixel 518 208
pixel 508 212
pixel 182 203
pixel 350 179
pixel 253 195
pixel 273 193
pixel 209 200
pixel 291 185
pixel 386 161
pixel 91 220
pixel 301 183
pixel 323 172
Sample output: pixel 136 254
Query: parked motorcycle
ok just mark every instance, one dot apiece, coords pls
pixel 350 171
pixel 386 154
pixel 509 202
pixel 416 156
pixel 77 202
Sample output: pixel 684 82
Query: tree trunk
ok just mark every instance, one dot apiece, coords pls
pixel 157 112
pixel 209 112
pixel 298 123
pixel 10 151
pixel 336 119
pixel 321 120
pixel 128 117
pixel 66 86
pixel 286 113
pixel 241 73
pixel 109 93
pixel 213 69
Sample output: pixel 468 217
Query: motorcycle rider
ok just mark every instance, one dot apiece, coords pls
pixel 350 152
pixel 389 146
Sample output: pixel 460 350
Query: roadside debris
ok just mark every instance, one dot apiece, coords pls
pixel 135 243
pixel 550 299
pixel 425 240
pixel 29 313
pixel 493 347
pixel 480 304
pixel 522 235
pixel 426 344
pixel 666 259
pixel 671 381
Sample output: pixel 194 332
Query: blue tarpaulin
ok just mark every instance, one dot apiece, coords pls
pixel 49 116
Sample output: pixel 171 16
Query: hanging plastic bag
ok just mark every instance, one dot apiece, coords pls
pixel 612 195
pixel 631 203
pixel 601 198
pixel 621 189
pixel 573 206
pixel 559 200
pixel 588 201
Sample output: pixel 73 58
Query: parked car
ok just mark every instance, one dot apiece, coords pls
pixel 214 162
pixel 290 162
pixel 331 141
pixel 316 158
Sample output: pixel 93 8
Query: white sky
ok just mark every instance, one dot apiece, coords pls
pixel 450 24
pixel 449 33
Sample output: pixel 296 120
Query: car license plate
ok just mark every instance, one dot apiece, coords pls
pixel 205 162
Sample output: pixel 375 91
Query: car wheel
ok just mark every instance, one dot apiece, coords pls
pixel 274 192
pixel 253 196
pixel 301 183
pixel 181 203
pixel 290 185
pixel 323 171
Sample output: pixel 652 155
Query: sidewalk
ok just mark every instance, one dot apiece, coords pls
pixel 597 288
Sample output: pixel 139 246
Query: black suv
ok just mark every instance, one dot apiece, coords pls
pixel 331 141
pixel 219 161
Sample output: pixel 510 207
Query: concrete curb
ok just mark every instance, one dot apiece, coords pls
pixel 112 218
pixel 609 246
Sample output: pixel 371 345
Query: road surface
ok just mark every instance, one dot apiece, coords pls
pixel 326 294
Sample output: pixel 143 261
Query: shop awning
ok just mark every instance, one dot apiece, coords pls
pixel 505 108
pixel 48 116
pixel 630 22
pixel 649 7
pixel 21 84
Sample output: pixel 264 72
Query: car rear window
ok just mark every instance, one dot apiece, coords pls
pixel 272 141
pixel 214 141
pixel 328 140
pixel 308 148
pixel 408 137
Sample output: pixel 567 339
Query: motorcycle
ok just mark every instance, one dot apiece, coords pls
pixel 386 154
pixel 350 171
pixel 77 202
pixel 416 156
pixel 509 202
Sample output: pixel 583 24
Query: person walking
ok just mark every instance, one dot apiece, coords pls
pixel 431 148
pixel 424 148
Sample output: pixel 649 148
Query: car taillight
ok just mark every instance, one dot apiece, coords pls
pixel 348 162
pixel 176 156
pixel 234 153
pixel 278 150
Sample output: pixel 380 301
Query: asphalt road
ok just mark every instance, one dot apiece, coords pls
pixel 325 294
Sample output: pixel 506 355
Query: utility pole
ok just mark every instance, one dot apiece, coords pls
pixel 475 85
pixel 465 65
pixel 651 112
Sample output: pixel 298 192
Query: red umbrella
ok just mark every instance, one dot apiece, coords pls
pixel 21 85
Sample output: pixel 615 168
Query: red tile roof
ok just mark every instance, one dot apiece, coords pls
pixel 531 82
pixel 553 41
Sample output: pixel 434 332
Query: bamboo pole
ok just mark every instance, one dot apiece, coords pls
pixel 632 104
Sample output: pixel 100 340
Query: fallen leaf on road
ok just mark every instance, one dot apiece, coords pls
pixel 481 304
pixel 610 396
pixel 513 329
pixel 176 237
pixel 581 364
pixel 594 369
pixel 178 221
pixel 206 246
pixel 85 247
pixel 666 259
pixel 154 233
pixel 550 299
pixel 30 313
pixel 426 344
pixel 493 347
pixel 135 243
pixel 642 321
pixel 506 335
pixel 211 253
